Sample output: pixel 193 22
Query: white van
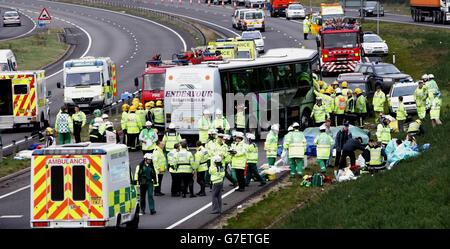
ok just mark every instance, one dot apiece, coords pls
pixel 7 60
pixel 253 20
pixel 84 185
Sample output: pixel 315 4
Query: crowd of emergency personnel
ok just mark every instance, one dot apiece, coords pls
pixel 233 154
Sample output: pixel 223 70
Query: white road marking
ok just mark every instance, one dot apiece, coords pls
pixel 13 192
pixel 199 210
pixel 11 216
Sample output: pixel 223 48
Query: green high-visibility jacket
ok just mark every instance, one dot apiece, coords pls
pixel 323 142
pixel 217 174
pixel 252 153
pixel 79 117
pixel 201 159
pixel 141 117
pixel 150 137
pixel 320 113
pixel 378 101
pixel 240 120
pixel 123 120
pixel 171 161
pixel 239 160
pixel 421 96
pixel 306 26
pixel 170 139
pixel 132 125
pixel 413 127
pixel 435 108
pixel 185 161
pixel 159 159
pixel 375 156
pixel 221 123
pixel 383 133
pixel 401 112
pixel 361 104
pixel 295 143
pixel 328 101
pixel 271 144
pixel 340 104
pixel 158 114
pixel 350 105
pixel 204 125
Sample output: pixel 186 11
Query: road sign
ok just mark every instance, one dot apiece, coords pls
pixel 45 15
pixel 41 24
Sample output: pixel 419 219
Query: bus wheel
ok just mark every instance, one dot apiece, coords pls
pixel 305 120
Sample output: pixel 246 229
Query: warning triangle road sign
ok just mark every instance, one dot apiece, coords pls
pixel 44 16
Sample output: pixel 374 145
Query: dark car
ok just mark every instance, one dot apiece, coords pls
pixel 371 9
pixel 361 81
pixel 384 73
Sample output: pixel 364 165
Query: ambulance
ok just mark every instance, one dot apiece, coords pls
pixel 232 48
pixel 89 82
pixel 85 185
pixel 23 99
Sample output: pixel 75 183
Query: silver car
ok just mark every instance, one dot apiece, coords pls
pixel 11 18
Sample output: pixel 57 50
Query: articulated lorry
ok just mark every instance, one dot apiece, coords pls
pixel 437 10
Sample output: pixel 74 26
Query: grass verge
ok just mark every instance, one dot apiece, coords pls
pixel 36 51
pixel 412 195
pixel 10 165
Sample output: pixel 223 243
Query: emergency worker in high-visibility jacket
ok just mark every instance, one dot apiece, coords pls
pixel 295 144
pixel 324 143
pixel 271 144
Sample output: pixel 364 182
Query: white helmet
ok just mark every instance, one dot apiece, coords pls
pixel 290 128
pixel 218 112
pixel 148 156
pixel 239 134
pixel 323 127
pixel 226 137
pixel 315 76
pixel 217 159
pixel 148 123
pixel 430 76
pixel 95 126
pixel 172 126
pixel 105 116
pixel 275 127
pixel 338 90
pixel 212 132
pixel 295 124
pixel 206 112
pixel 251 136
pixel 425 77
pixel 109 125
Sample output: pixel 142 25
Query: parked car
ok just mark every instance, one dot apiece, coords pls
pixel 407 91
pixel 384 73
pixel 295 11
pixel 11 18
pixel 374 45
pixel 371 9
pixel 255 36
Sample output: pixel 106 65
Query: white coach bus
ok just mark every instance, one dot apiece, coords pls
pixel 286 72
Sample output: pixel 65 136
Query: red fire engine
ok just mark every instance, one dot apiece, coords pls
pixel 340 45
pixel 154 76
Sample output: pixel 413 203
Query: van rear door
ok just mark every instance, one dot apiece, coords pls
pixel 64 189
pixel 6 102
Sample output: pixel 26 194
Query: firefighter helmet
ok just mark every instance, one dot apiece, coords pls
pixel 159 103
pixel 49 131
pixel 344 84
pixel 125 107
pixel 148 105
pixel 132 108
pixel 358 90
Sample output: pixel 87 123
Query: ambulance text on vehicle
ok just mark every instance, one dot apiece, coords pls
pixel 244 48
pixel 286 72
pixel 89 82
pixel 23 99
pixel 82 185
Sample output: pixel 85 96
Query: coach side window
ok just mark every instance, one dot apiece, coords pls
pixel 303 75
pixel 241 80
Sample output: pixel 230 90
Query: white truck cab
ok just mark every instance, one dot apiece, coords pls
pixel 7 60
pixel 89 82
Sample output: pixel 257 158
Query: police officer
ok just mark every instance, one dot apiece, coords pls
pixel 111 136
pixel 421 96
pixel 79 120
pixel 295 143
pixel 146 177
pixel 204 124
pixel 401 114
pixel 240 118
pixel 271 144
pixel 185 162
pixel 306 27
pixel 377 154
pixel 210 148
pixel 222 149
pixel 171 137
pixel 384 132
pixel 379 98
pixel 160 161
pixel 104 124
pixel 95 136
pixel 217 173
pixel 158 115
pixel 252 161
pixel 220 123
pixel 176 180
pixel 201 166
pixel 238 153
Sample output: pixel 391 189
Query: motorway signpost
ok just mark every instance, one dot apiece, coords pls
pixel 44 18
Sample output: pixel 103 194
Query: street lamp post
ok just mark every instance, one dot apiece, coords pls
pixel 378 17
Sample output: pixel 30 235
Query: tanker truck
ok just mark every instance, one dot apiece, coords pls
pixel 437 10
